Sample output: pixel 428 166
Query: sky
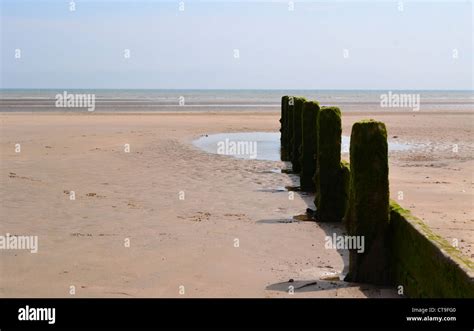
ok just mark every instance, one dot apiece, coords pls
pixel 237 44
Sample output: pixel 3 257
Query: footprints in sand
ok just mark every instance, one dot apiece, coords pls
pixel 78 234
pixel 206 216
pixel 133 205
pixel 14 175
pixel 94 195
pixel 89 195
pixel 198 217
pixel 128 203
pixel 238 216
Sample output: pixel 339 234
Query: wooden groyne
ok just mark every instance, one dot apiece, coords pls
pixel 400 250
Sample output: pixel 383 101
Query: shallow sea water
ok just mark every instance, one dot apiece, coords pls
pixel 262 145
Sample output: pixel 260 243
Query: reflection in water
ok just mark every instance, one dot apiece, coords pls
pixel 261 145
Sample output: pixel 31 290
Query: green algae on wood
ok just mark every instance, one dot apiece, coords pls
pixel 297 136
pixel 331 177
pixel 284 129
pixel 344 186
pixel 368 210
pixel 309 142
pixel 424 264
pixel 289 126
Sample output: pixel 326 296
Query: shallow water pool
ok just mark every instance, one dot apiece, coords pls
pixel 261 145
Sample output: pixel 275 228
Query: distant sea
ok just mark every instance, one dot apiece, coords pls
pixel 41 100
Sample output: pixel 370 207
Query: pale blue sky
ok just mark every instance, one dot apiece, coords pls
pixel 194 48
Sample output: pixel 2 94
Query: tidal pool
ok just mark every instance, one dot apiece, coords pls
pixel 261 145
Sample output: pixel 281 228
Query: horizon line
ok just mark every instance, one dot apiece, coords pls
pixel 230 89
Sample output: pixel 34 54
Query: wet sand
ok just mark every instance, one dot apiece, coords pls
pixel 211 225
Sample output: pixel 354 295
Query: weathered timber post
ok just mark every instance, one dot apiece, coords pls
pixel 368 211
pixel 309 142
pixel 332 175
pixel 289 125
pixel 284 129
pixel 297 128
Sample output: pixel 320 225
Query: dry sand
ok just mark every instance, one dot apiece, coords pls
pixel 135 196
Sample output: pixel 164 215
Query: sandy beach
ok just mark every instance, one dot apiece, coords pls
pixel 199 224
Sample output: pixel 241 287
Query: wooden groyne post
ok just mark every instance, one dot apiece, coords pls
pixel 368 213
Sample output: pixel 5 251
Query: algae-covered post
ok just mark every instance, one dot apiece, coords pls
pixel 296 141
pixel 368 211
pixel 332 175
pixel 284 129
pixel 425 264
pixel 289 127
pixel 309 142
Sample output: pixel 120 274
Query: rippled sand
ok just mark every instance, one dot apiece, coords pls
pixel 184 211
